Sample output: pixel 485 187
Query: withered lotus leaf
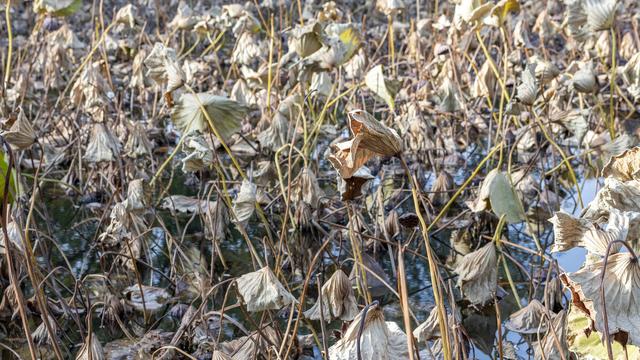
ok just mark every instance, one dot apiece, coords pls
pixel 261 290
pixel 380 339
pixel 370 138
pixel 338 300
pixel 478 274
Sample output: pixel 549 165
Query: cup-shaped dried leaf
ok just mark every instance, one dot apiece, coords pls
pixel 528 90
pixel 376 82
pixel 585 81
pixel 430 328
pixel 306 188
pixel 103 145
pixel 568 231
pixel 468 12
pixel 163 68
pixel 184 18
pixel 351 188
pixel 600 14
pixel 478 274
pixel 138 196
pixel 529 319
pixel 371 138
pixel 338 300
pixel 485 82
pixel 245 204
pixel 497 194
pixel 340 43
pixel 261 290
pixel 249 49
pixel 441 187
pixel 379 340
pixel 225 114
pixel 621 293
pixel 306 39
pixel 21 134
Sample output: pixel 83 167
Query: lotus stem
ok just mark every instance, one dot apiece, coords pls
pixel 433 268
pixel 7 72
pixel 612 87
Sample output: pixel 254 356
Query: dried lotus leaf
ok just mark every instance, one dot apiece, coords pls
pixel 478 274
pixel 163 68
pixel 376 82
pixel 528 89
pixel 261 290
pixel 585 81
pixel 568 231
pixel 186 204
pixel 379 340
pixel 224 113
pixel 600 14
pixel 338 300
pixel 103 145
pixel 449 97
pixel 21 134
pixel 371 138
pixel 504 200
pixel 529 319
pixel 621 293
pixel 625 166
pixel 245 204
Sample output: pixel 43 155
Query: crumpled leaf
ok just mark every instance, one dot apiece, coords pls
pixel 186 204
pixel 371 138
pixel 625 166
pixel 528 88
pixel 103 145
pixel 306 39
pixel 376 82
pixel 21 134
pixel 430 328
pixel 245 204
pixel 200 154
pixel 529 319
pixel 379 340
pixel 163 68
pixel 338 300
pixel 478 274
pixel 261 290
